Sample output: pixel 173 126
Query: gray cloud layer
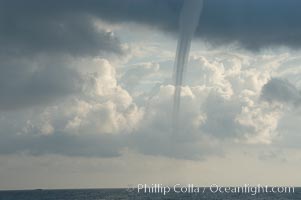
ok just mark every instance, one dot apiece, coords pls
pixel 64 25
pixel 65 144
pixel 31 27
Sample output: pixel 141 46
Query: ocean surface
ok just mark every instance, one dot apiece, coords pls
pixel 112 194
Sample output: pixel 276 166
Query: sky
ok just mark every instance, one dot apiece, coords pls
pixel 86 94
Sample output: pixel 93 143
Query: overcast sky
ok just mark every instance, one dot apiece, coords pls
pixel 86 94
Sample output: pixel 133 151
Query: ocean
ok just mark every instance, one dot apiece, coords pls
pixel 118 194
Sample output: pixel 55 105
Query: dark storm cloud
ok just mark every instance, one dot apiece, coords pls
pixel 37 41
pixel 255 24
pixel 281 91
pixel 66 25
pixel 25 83
pixel 30 27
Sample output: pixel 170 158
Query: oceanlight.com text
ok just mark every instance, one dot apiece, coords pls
pixel 213 188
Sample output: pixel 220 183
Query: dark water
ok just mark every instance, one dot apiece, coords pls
pixel 110 194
